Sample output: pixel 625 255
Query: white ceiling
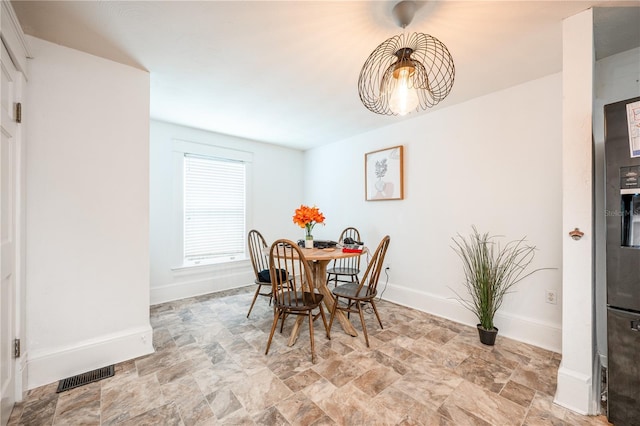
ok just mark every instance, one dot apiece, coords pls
pixel 286 72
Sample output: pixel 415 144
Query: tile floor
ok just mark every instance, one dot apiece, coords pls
pixel 209 368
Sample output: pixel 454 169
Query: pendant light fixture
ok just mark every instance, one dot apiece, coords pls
pixel 407 72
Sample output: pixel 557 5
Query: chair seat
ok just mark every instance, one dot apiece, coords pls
pixel 349 290
pixel 302 301
pixel 343 271
pixel 258 282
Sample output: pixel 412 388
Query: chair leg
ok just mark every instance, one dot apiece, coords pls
pixel 284 315
pixel 335 279
pixel 364 327
pixel 276 315
pixel 333 314
pixel 255 296
pixel 349 305
pixel 313 348
pixel 373 304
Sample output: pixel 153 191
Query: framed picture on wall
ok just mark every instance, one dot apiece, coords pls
pixel 383 174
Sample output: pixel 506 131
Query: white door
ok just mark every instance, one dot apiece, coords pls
pixel 8 183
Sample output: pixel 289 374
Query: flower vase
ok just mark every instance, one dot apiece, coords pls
pixel 308 241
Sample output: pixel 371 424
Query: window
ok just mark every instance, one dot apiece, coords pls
pixel 214 209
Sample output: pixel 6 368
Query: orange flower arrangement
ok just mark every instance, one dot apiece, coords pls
pixel 307 217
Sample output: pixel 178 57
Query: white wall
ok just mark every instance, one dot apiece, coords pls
pixel 493 162
pixel 87 213
pixel 275 190
pixel 616 79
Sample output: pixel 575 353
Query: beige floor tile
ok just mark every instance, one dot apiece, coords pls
pixel 542 378
pixel 339 371
pixel 298 409
pixel 260 391
pixel 518 393
pixel 166 415
pixel 375 380
pixel 483 373
pixel 432 384
pixel 224 403
pixel 270 416
pixel 122 403
pixel 80 405
pixel 191 404
pixel 481 405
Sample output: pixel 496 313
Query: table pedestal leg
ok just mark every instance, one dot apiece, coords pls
pixel 295 330
pixel 319 272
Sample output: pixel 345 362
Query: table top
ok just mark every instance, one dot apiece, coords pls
pixel 327 253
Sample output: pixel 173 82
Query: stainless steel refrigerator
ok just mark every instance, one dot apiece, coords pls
pixel 622 198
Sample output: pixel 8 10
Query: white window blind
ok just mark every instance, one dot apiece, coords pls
pixel 214 208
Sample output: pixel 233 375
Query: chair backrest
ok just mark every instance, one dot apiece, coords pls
pixel 290 275
pixel 350 232
pixel 348 262
pixel 259 259
pixel 372 274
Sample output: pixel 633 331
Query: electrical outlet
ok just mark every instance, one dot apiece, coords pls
pixel 551 296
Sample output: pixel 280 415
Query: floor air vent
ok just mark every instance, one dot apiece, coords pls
pixel 85 378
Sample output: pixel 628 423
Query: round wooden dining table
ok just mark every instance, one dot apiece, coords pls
pixel 318 259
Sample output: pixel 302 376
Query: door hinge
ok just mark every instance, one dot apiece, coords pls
pixel 18 112
pixel 16 348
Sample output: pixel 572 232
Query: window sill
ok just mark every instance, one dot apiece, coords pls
pixel 192 268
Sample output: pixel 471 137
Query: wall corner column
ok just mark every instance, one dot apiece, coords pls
pixel 575 375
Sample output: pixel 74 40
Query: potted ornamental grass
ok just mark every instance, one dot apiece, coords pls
pixel 491 269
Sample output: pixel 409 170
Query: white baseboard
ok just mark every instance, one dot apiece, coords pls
pixel 51 365
pixel 527 330
pixel 197 286
pixel 574 391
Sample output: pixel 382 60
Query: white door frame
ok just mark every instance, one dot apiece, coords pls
pixel 8 255
pixel 13 40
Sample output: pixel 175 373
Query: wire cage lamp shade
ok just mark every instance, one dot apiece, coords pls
pixel 405 73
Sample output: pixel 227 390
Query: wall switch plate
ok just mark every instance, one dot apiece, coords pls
pixel 551 296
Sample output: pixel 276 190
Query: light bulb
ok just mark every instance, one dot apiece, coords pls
pixel 404 98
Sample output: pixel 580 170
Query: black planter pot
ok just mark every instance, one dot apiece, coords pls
pixel 487 337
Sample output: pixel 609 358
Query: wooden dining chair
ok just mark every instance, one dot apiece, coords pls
pixel 260 263
pixel 295 296
pixel 345 270
pixel 357 294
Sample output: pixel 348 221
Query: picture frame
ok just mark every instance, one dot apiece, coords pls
pixel 384 174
